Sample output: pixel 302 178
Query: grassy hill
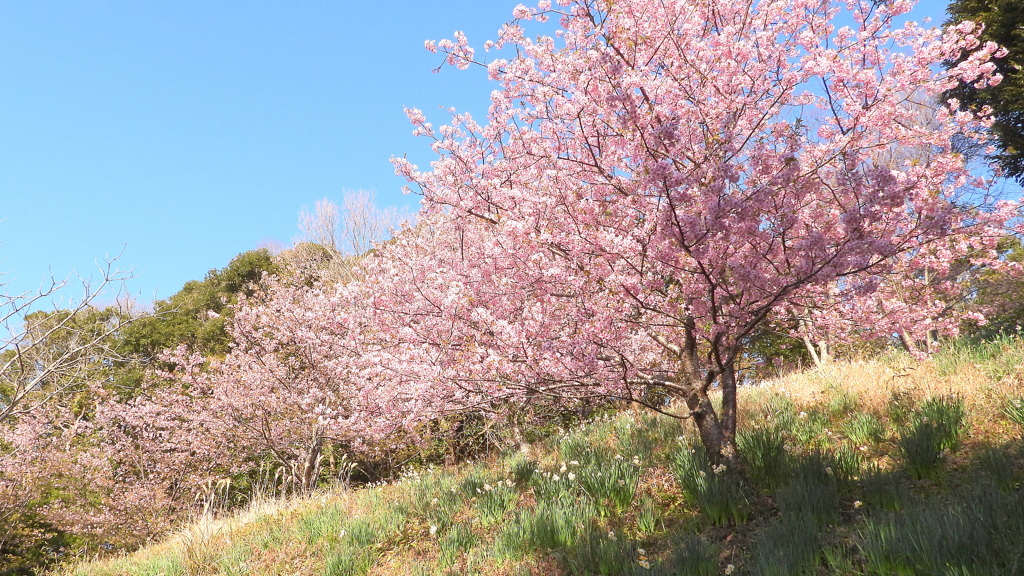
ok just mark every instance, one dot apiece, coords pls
pixel 882 467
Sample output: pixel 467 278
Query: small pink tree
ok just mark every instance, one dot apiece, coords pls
pixel 657 178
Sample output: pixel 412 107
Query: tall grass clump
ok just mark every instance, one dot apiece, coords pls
pixel 938 425
pixel 763 450
pixel 811 497
pixel 982 535
pixel 1013 408
pixel 884 489
pixel 612 484
pixel 692 556
pixel 864 429
pixel 789 546
pixel 554 524
pixel 715 489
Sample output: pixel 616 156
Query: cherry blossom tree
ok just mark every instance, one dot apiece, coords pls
pixel 656 178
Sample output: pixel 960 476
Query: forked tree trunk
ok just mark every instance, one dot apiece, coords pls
pixel 717 436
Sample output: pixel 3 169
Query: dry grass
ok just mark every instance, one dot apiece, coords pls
pixel 875 382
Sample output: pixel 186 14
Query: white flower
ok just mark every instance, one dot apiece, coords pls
pixel 611 535
pixel 828 470
pixel 858 504
pixel 433 530
pixel 729 569
pixel 571 476
pixel 641 551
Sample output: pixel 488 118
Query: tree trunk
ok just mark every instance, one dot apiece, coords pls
pixel 720 445
pixel 311 465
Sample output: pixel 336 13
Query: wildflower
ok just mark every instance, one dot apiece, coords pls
pixel 562 469
pixel 556 477
pixel 828 470
pixel 702 474
pixel 573 463
pixel 618 456
pixel 434 502
pixel 863 448
pixel 488 488
pixel 433 530
pixel 644 563
pixel 858 504
pixel 611 535
pixel 571 476
pixel 729 569
pixel 718 469
pixel 341 534
pixel 801 415
pixel 641 551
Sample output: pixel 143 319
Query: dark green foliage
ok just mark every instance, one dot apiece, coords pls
pixel 1004 24
pixel 197 314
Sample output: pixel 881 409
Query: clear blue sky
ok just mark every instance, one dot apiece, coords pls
pixel 186 132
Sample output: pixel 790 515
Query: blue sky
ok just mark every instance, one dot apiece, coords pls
pixel 183 133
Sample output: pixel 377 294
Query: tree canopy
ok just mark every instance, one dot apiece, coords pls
pixel 1003 22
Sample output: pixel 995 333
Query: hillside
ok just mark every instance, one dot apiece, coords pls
pixel 883 467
